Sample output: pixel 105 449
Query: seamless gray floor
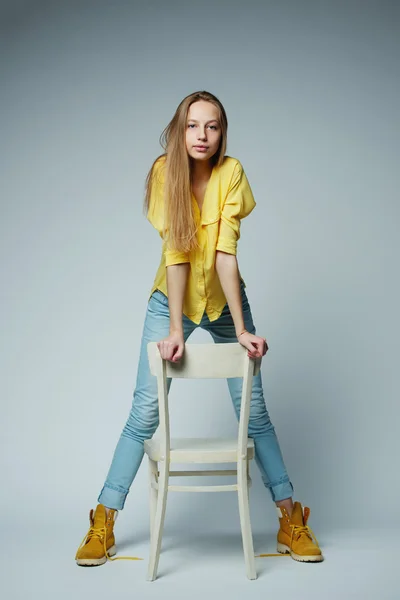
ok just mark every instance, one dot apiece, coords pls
pixel 39 563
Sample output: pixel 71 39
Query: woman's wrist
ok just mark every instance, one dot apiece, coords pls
pixel 176 330
pixel 241 333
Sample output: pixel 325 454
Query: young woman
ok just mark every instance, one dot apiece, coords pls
pixel 196 197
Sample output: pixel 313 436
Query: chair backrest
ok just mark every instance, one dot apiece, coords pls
pixel 205 361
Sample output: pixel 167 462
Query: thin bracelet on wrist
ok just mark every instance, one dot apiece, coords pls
pixel 244 331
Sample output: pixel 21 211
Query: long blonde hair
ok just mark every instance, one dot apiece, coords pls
pixel 179 221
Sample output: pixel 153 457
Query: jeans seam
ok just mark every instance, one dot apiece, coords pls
pixel 116 488
pixel 279 482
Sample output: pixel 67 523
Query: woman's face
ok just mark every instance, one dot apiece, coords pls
pixel 202 129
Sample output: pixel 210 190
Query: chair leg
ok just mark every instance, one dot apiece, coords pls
pixel 153 478
pixel 155 541
pixel 248 477
pixel 244 512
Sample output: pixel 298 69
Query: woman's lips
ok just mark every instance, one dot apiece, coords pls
pixel 201 148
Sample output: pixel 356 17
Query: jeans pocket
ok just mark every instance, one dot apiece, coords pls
pixel 160 297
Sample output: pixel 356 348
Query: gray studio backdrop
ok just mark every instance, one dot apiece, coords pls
pixel 309 88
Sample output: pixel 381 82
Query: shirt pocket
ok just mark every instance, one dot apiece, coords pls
pixel 211 218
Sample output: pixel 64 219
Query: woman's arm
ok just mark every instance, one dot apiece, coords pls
pixel 228 272
pixel 177 276
pixel 172 347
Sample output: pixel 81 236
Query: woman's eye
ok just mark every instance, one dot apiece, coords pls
pixel 193 125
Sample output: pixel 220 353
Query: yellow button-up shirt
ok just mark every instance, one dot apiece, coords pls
pixel 228 199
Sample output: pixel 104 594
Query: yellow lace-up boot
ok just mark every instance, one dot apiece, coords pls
pixel 295 537
pixel 98 545
pixel 99 542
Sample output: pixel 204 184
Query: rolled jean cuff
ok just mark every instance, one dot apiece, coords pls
pixel 281 491
pixel 112 497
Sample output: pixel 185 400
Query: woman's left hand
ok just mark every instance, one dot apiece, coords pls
pixel 257 346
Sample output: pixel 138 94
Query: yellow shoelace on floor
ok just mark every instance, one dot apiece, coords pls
pixel 298 530
pixel 100 532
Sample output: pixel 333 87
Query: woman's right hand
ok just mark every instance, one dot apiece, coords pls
pixel 172 347
pixel 256 345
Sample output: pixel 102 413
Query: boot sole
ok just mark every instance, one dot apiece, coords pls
pixel 283 549
pixel 96 562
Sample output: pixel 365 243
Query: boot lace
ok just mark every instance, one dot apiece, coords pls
pixel 297 531
pixel 101 534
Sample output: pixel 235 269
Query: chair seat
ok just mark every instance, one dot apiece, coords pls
pixel 199 450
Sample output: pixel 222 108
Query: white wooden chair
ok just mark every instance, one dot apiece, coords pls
pixel 200 361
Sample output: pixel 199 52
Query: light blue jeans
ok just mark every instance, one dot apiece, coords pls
pixel 143 416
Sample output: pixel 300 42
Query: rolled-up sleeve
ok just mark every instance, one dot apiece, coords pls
pixel 239 203
pixel 175 258
pixel 155 216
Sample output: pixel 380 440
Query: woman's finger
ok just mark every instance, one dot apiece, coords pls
pixel 178 353
pixel 259 346
pixel 253 351
pixel 166 350
pixel 170 352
